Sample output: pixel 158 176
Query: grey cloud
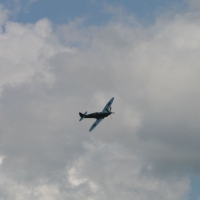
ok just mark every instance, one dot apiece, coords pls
pixel 155 76
pixel 105 171
pixel 110 167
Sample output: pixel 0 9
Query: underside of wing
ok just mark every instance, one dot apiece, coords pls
pixel 108 105
pixel 96 123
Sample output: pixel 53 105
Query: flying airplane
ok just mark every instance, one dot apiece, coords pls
pixel 99 116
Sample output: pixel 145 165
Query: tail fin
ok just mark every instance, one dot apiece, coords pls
pixel 82 115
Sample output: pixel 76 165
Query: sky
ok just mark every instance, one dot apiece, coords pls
pixel 59 58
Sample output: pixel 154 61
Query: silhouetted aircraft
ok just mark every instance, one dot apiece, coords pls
pixel 98 115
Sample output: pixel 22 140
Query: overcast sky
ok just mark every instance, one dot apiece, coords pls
pixel 59 58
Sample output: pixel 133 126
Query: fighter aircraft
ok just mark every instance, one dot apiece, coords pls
pixel 99 116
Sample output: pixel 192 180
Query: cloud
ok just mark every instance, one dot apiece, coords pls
pixel 111 172
pixel 193 3
pixel 170 123
pixel 50 73
pixel 24 49
pixel 105 171
pixel 16 7
pixel 3 15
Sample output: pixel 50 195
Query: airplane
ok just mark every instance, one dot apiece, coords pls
pixel 99 116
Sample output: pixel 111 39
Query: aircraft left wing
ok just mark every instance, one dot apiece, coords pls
pixel 96 123
pixel 108 105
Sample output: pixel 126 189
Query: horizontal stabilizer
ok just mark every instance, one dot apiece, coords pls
pixel 82 115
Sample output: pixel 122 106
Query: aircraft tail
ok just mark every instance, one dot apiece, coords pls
pixel 82 115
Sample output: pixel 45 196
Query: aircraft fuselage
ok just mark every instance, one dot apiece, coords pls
pixel 98 115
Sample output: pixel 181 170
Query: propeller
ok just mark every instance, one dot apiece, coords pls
pixel 109 111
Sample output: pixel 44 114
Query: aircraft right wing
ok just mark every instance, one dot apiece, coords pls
pixel 96 123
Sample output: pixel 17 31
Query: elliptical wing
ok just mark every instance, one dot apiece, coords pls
pixel 108 105
pixel 96 123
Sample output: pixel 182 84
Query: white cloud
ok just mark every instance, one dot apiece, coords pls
pixel 3 15
pixel 48 75
pixel 24 50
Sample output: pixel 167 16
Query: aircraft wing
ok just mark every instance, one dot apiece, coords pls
pixel 96 123
pixel 108 105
